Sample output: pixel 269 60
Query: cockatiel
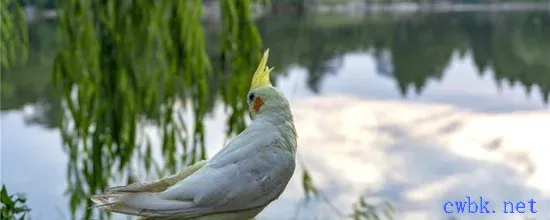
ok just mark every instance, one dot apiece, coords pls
pixel 237 183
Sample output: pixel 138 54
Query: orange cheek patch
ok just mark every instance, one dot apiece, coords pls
pixel 258 103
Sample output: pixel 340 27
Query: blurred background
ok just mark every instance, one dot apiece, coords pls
pixel 400 105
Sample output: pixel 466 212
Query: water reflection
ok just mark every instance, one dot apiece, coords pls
pixel 419 155
pixel 31 83
pixel 420 47
pixel 415 155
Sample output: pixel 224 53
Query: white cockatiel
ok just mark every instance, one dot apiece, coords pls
pixel 237 183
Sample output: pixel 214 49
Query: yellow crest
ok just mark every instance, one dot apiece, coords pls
pixel 261 76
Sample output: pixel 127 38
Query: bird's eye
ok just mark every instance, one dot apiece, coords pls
pixel 251 96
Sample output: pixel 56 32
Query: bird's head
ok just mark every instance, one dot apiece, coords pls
pixel 262 97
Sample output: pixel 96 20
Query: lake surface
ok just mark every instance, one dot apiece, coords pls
pixel 412 109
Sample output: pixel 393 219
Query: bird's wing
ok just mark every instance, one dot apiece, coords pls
pixel 248 173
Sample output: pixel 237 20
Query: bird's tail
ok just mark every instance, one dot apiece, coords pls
pixel 142 199
pixel 145 204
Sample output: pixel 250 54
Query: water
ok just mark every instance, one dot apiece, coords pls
pixel 411 109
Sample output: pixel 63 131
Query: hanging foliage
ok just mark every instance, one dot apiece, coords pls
pixel 131 64
pixel 14 39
